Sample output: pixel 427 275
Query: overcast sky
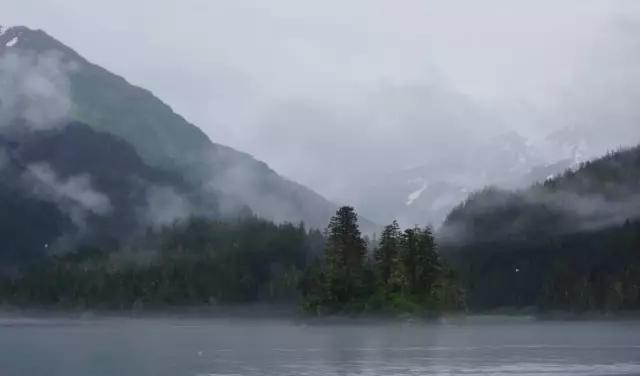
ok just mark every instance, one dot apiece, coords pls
pixel 333 91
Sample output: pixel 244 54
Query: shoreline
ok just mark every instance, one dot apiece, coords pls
pixel 292 313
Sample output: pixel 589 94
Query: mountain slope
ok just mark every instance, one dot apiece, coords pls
pixel 28 224
pixel 163 138
pixel 76 185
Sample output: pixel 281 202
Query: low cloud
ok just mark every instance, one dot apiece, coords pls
pixel 74 195
pixel 164 206
pixel 35 88
pixel 579 201
pixel 594 211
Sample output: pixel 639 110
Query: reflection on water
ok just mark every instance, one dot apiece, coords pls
pixel 172 346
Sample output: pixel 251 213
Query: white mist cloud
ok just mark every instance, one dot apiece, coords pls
pixel 164 206
pixel 35 88
pixel 74 195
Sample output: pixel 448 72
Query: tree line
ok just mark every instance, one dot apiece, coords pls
pixel 212 262
pixel 198 262
pixel 203 262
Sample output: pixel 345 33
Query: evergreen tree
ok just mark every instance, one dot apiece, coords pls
pixel 405 274
pixel 345 257
pixel 429 265
pixel 419 265
pixel 386 255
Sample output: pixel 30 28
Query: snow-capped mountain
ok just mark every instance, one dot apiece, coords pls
pixel 426 193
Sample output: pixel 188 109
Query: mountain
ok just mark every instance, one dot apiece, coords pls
pixel 427 192
pixel 600 193
pixel 68 86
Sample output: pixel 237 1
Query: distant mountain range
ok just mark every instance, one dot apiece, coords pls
pixel 45 81
pixel 598 194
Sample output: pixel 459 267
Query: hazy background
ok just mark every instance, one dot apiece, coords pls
pixel 336 93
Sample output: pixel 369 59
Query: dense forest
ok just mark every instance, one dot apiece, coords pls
pixel 210 262
pixel 203 262
pixel 569 243
pixel 192 263
pixel 588 271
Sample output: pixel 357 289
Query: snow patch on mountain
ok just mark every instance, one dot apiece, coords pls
pixel 416 194
pixel 426 192
pixel 9 36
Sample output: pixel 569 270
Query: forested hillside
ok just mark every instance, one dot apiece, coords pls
pixel 570 243
pixel 71 185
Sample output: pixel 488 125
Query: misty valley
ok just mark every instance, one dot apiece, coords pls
pixel 131 243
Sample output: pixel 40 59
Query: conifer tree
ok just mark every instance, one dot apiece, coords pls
pixel 386 255
pixel 429 265
pixel 345 256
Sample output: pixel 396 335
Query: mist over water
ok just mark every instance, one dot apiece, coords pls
pixel 226 346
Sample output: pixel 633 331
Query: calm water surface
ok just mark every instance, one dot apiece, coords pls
pixel 190 347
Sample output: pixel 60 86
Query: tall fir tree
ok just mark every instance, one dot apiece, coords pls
pixel 405 273
pixel 386 255
pixel 345 257
pixel 429 264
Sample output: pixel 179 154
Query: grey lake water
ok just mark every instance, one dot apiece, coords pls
pixel 236 346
